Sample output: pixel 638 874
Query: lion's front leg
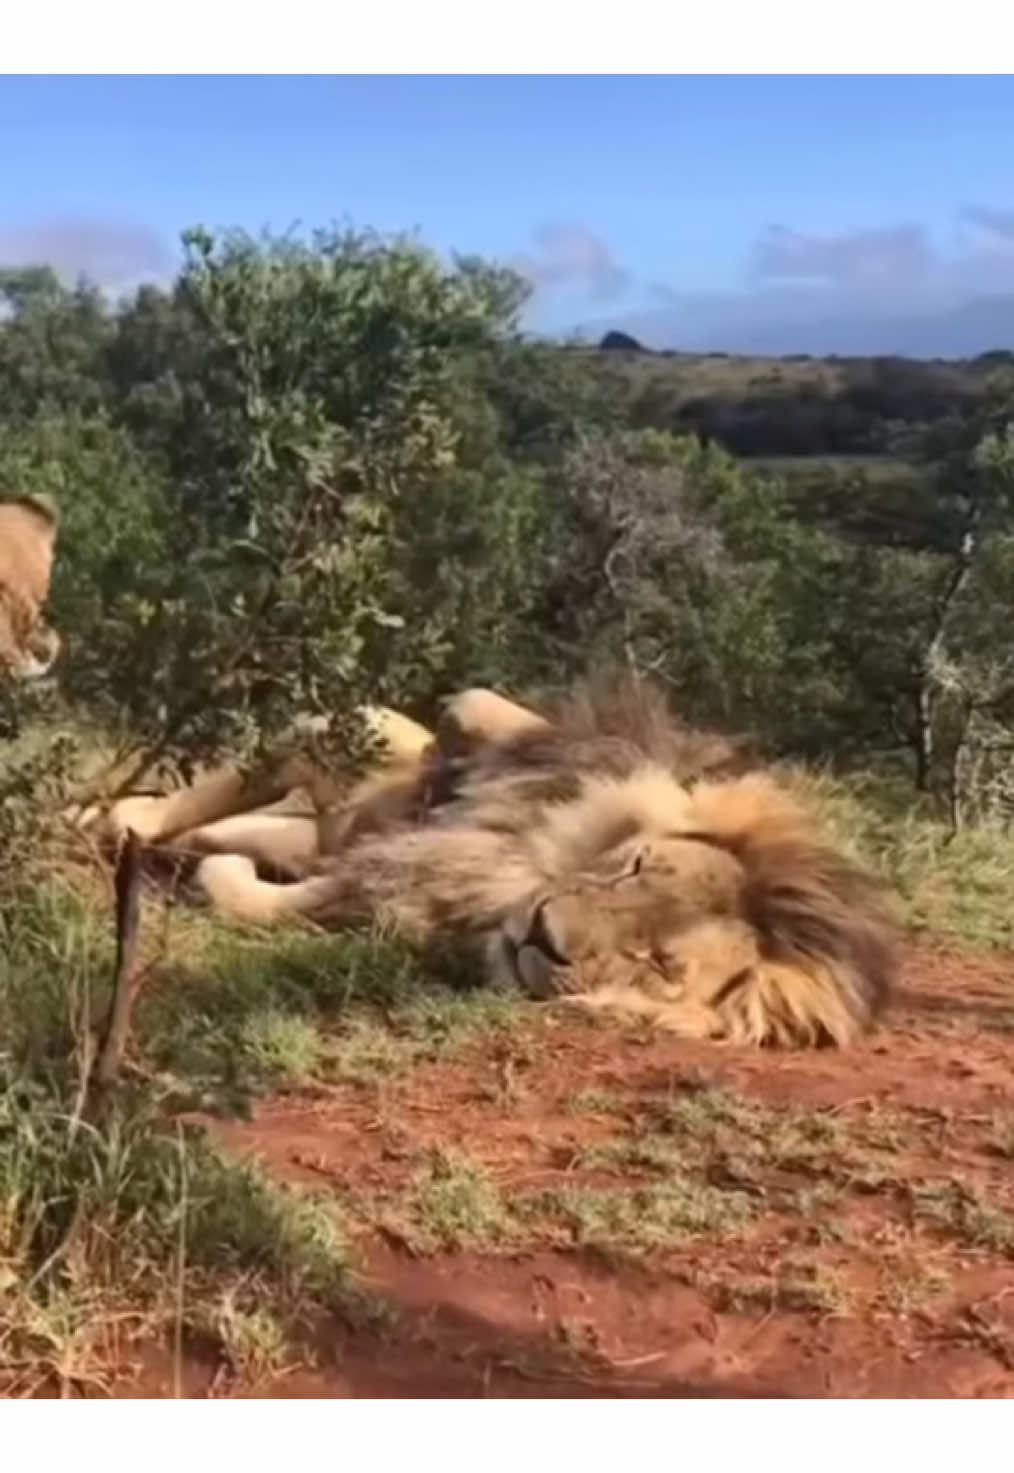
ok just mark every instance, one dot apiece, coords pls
pixel 231 883
pixel 688 1019
pixel 220 795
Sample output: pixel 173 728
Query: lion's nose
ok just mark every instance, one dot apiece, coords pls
pixel 549 933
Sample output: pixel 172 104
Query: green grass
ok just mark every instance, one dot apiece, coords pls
pixel 451 1205
pixel 119 1221
pixel 234 1012
pixel 955 886
pixel 662 1214
pixel 913 1288
pixel 130 1223
pixel 282 1046
pixel 886 466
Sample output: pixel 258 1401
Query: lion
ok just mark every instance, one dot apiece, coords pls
pixel 597 851
pixel 28 528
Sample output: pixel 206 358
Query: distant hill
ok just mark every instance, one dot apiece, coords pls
pixel 620 342
pixel 793 405
pixel 777 323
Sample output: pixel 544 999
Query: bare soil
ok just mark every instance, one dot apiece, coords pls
pixel 873 1253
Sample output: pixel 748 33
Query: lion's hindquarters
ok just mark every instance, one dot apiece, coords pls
pixel 402 739
pixel 479 717
pixel 228 793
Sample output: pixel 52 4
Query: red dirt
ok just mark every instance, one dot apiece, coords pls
pixel 550 1319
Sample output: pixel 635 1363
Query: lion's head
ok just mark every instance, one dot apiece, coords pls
pixel 715 910
pixel 648 914
pixel 28 526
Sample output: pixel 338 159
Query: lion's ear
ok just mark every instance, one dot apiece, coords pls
pixel 42 507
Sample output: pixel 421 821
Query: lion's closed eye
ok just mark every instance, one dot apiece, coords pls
pixel 628 869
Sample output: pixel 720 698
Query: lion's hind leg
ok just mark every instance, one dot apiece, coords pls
pixel 478 716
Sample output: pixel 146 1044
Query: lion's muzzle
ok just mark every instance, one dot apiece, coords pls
pixel 535 944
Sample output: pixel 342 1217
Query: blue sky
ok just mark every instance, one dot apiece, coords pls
pixel 726 212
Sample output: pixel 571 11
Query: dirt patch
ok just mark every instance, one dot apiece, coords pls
pixel 577 1211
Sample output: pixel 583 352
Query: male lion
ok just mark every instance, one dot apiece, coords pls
pixel 602 853
pixel 28 527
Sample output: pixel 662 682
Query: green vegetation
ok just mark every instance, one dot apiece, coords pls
pixel 316 472
pixel 451 1204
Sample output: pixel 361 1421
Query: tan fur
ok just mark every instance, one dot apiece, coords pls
pixel 231 882
pixel 28 530
pixel 401 738
pixel 478 716
pixel 601 859
pixel 217 796
pixel 278 841
pixel 188 816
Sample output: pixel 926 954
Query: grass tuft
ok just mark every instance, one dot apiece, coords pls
pixel 450 1205
pixel 659 1215
pixel 951 885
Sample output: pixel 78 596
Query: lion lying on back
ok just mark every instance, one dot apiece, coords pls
pixel 600 851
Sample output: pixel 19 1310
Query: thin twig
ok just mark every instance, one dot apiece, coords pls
pixel 180 1271
pixel 126 977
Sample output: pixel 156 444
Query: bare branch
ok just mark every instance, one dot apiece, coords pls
pixel 126 978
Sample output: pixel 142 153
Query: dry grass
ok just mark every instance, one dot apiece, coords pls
pixel 797 1286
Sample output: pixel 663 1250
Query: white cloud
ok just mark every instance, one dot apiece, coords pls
pixel 569 254
pixel 115 255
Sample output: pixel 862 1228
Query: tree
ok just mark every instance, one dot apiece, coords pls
pixel 246 509
pixel 51 346
pixel 967 689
